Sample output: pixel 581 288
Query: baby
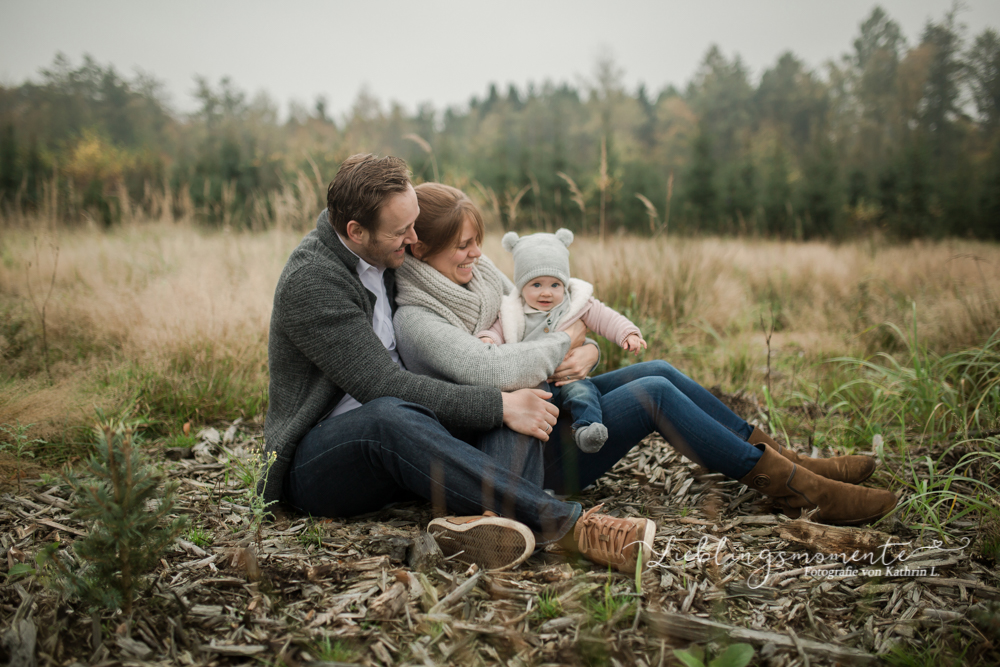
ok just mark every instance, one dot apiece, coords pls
pixel 545 300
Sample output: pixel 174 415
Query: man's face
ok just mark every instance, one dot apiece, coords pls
pixel 386 246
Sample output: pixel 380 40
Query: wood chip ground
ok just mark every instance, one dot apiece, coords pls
pixel 336 591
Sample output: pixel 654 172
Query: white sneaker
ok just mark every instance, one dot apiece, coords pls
pixel 490 541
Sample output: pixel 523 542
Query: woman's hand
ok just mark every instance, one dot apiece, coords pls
pixel 528 412
pixel 577 334
pixel 575 365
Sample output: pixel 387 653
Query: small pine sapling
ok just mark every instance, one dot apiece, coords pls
pixel 127 507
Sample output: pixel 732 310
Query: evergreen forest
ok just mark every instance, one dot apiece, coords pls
pixel 899 137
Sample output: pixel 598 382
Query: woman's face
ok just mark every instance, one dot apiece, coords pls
pixel 455 263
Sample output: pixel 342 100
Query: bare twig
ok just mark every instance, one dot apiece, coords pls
pixel 513 201
pixel 603 181
pixel 768 332
pixel 651 211
pixel 577 198
pixel 420 141
pixel 670 195
pixel 45 302
pixel 491 198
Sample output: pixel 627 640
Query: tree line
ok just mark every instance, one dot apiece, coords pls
pixel 894 137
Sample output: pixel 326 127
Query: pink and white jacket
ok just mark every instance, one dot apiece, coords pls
pixel 602 320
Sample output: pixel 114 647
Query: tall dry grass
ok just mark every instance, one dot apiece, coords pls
pixel 169 320
pixel 133 309
pixel 821 295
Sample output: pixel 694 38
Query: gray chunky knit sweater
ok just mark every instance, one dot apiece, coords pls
pixel 322 345
pixel 436 320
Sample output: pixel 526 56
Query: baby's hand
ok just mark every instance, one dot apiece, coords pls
pixel 634 343
pixel 487 340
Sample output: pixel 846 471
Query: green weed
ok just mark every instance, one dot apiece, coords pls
pixel 47 480
pixel 735 655
pixel 934 496
pixel 21 444
pixel 638 572
pixel 252 474
pixel 186 441
pixel 311 535
pixel 198 536
pixel 328 650
pixel 548 605
pixel 935 654
pixel 605 606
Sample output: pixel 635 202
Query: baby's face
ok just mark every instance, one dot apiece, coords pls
pixel 543 293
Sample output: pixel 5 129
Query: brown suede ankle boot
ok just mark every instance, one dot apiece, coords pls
pixel 852 469
pixel 796 488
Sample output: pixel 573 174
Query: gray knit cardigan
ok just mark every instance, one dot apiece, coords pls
pixel 322 345
pixel 432 342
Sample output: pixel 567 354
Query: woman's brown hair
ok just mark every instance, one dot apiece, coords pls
pixel 443 209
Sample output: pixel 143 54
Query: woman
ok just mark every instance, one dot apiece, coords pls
pixel 447 291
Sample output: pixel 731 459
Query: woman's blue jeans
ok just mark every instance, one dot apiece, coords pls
pixel 645 398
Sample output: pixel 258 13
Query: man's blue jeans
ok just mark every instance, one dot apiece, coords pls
pixel 389 450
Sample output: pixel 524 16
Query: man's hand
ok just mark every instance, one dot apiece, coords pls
pixel 633 343
pixel 577 363
pixel 528 412
pixel 577 334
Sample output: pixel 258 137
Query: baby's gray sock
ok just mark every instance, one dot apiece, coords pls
pixel 591 438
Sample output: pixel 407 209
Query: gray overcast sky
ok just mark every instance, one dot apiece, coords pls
pixel 437 51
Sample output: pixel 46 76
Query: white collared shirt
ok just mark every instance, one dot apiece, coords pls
pixel 373 278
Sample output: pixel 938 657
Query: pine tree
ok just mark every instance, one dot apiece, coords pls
pixel 820 194
pixel 777 194
pixel 701 180
pixel 127 510
pixel 9 179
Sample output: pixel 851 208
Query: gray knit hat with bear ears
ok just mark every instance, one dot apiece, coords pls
pixel 539 255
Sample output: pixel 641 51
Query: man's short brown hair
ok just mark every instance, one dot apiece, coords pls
pixel 361 187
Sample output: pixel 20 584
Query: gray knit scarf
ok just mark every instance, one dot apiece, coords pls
pixel 471 307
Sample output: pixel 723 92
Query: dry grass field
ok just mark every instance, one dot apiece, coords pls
pixel 168 321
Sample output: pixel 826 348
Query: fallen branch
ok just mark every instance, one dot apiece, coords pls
pixel 457 594
pixel 856 542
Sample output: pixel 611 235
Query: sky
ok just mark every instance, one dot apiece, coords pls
pixel 441 52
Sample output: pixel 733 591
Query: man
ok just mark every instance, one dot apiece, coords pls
pixel 351 430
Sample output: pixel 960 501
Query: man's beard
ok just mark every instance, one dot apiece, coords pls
pixel 384 258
